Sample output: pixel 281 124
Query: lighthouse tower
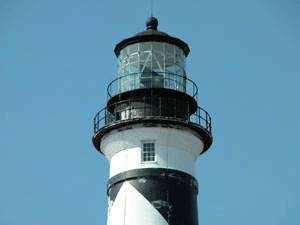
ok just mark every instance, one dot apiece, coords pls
pixel 152 131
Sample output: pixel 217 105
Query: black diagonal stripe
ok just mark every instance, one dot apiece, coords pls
pixel 155 193
pixel 176 202
pixel 172 193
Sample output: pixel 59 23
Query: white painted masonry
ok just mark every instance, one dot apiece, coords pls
pixel 175 149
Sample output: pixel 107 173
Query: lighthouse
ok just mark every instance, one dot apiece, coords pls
pixel 152 131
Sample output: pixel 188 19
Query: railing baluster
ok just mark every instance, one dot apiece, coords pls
pixel 199 117
pixel 206 120
pixel 129 116
pixel 105 115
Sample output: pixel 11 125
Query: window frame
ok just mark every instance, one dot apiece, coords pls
pixel 150 150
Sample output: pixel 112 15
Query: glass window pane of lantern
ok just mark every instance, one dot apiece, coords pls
pixel 133 48
pixel 167 81
pixel 172 82
pixel 144 56
pixel 136 80
pixel 132 82
pixel 169 49
pixel 158 57
pixel 133 68
pixel 145 46
pixel 123 52
pixel 177 55
pixel 157 62
pixel 123 83
pixel 152 65
pixel 133 57
pixel 158 46
pixel 123 70
pixel 146 74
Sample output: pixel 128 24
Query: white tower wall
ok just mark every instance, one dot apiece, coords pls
pixel 175 149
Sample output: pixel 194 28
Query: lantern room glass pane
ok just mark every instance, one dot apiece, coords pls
pixel 152 65
pixel 145 46
pixel 133 48
pixel 134 58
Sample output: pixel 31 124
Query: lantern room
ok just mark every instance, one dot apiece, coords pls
pixel 151 59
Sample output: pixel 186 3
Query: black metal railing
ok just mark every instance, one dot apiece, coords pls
pixel 148 108
pixel 152 80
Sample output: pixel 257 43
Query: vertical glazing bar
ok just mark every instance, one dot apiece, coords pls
pixel 174 68
pixel 119 85
pixel 164 61
pixel 151 61
pixel 139 64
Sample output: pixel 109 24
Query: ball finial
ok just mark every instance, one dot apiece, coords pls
pixel 152 23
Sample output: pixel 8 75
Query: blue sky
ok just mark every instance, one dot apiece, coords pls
pixel 56 59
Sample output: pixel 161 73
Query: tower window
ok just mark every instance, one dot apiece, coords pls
pixel 148 152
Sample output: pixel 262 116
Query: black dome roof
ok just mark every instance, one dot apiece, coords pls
pixel 152 34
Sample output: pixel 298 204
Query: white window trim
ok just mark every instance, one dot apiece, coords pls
pixel 142 151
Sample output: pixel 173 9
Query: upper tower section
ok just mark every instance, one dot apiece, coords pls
pixel 152 88
pixel 151 59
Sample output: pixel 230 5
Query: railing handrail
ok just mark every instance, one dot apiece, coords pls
pixel 200 117
pixel 115 82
